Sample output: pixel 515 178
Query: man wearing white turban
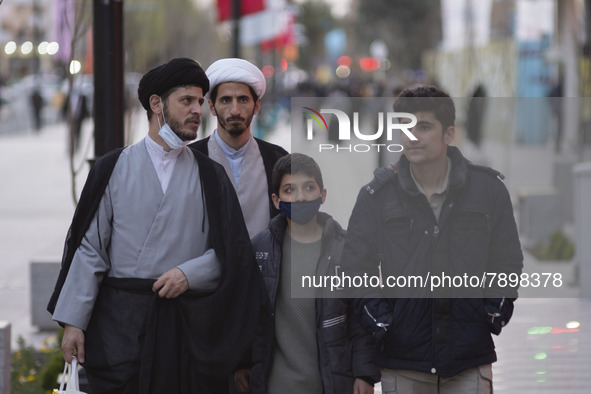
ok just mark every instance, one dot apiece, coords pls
pixel 236 89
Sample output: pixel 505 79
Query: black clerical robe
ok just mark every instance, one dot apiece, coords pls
pixel 194 339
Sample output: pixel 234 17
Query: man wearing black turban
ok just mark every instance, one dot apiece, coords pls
pixel 157 257
pixel 177 72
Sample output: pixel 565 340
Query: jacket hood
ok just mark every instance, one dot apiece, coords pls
pixel 457 178
pixel 401 169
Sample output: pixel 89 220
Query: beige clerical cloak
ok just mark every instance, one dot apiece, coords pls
pixel 252 190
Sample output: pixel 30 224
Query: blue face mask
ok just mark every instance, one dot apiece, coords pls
pixel 300 212
pixel 170 137
pixel 172 140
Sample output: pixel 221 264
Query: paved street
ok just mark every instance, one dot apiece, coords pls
pixel 35 209
pixel 541 351
pixel 538 353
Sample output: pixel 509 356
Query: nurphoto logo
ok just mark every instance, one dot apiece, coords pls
pixel 392 122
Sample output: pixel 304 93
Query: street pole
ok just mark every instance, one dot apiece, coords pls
pixel 36 39
pixel 235 28
pixel 108 75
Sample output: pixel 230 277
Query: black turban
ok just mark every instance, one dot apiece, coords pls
pixel 177 72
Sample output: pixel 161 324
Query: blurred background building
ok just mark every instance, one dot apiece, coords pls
pixel 25 35
pixel 500 48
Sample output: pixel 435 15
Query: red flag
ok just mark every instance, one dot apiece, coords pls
pixel 246 7
pixel 284 38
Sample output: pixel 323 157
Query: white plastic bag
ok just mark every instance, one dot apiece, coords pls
pixel 70 376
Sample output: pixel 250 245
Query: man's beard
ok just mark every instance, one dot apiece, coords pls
pixel 177 126
pixel 236 129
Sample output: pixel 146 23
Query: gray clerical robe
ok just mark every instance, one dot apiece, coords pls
pixel 141 232
pixel 252 190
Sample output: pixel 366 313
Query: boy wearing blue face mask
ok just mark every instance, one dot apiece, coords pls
pixel 315 345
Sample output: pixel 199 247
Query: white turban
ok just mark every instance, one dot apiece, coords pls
pixel 236 70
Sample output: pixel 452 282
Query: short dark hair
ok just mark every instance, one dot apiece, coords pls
pixel 213 95
pixel 427 99
pixel 295 163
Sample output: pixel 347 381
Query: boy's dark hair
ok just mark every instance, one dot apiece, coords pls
pixel 213 95
pixel 427 99
pixel 295 163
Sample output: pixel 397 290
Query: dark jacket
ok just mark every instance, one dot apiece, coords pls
pixel 345 350
pixel 393 226
pixel 213 331
pixel 270 153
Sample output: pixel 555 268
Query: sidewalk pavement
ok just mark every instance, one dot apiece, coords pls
pixel 545 349
pixel 35 209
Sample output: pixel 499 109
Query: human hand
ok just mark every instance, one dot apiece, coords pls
pixel 362 387
pixel 241 380
pixel 171 284
pixel 73 343
pixel 494 317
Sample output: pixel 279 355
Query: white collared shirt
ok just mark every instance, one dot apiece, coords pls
pixel 163 161
pixel 234 156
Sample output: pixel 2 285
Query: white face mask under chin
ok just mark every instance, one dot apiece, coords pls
pixel 172 140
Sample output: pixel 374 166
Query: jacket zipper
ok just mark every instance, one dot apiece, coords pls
pixel 381 325
pixel 369 314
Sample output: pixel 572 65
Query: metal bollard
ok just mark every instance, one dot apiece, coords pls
pixel 5 357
